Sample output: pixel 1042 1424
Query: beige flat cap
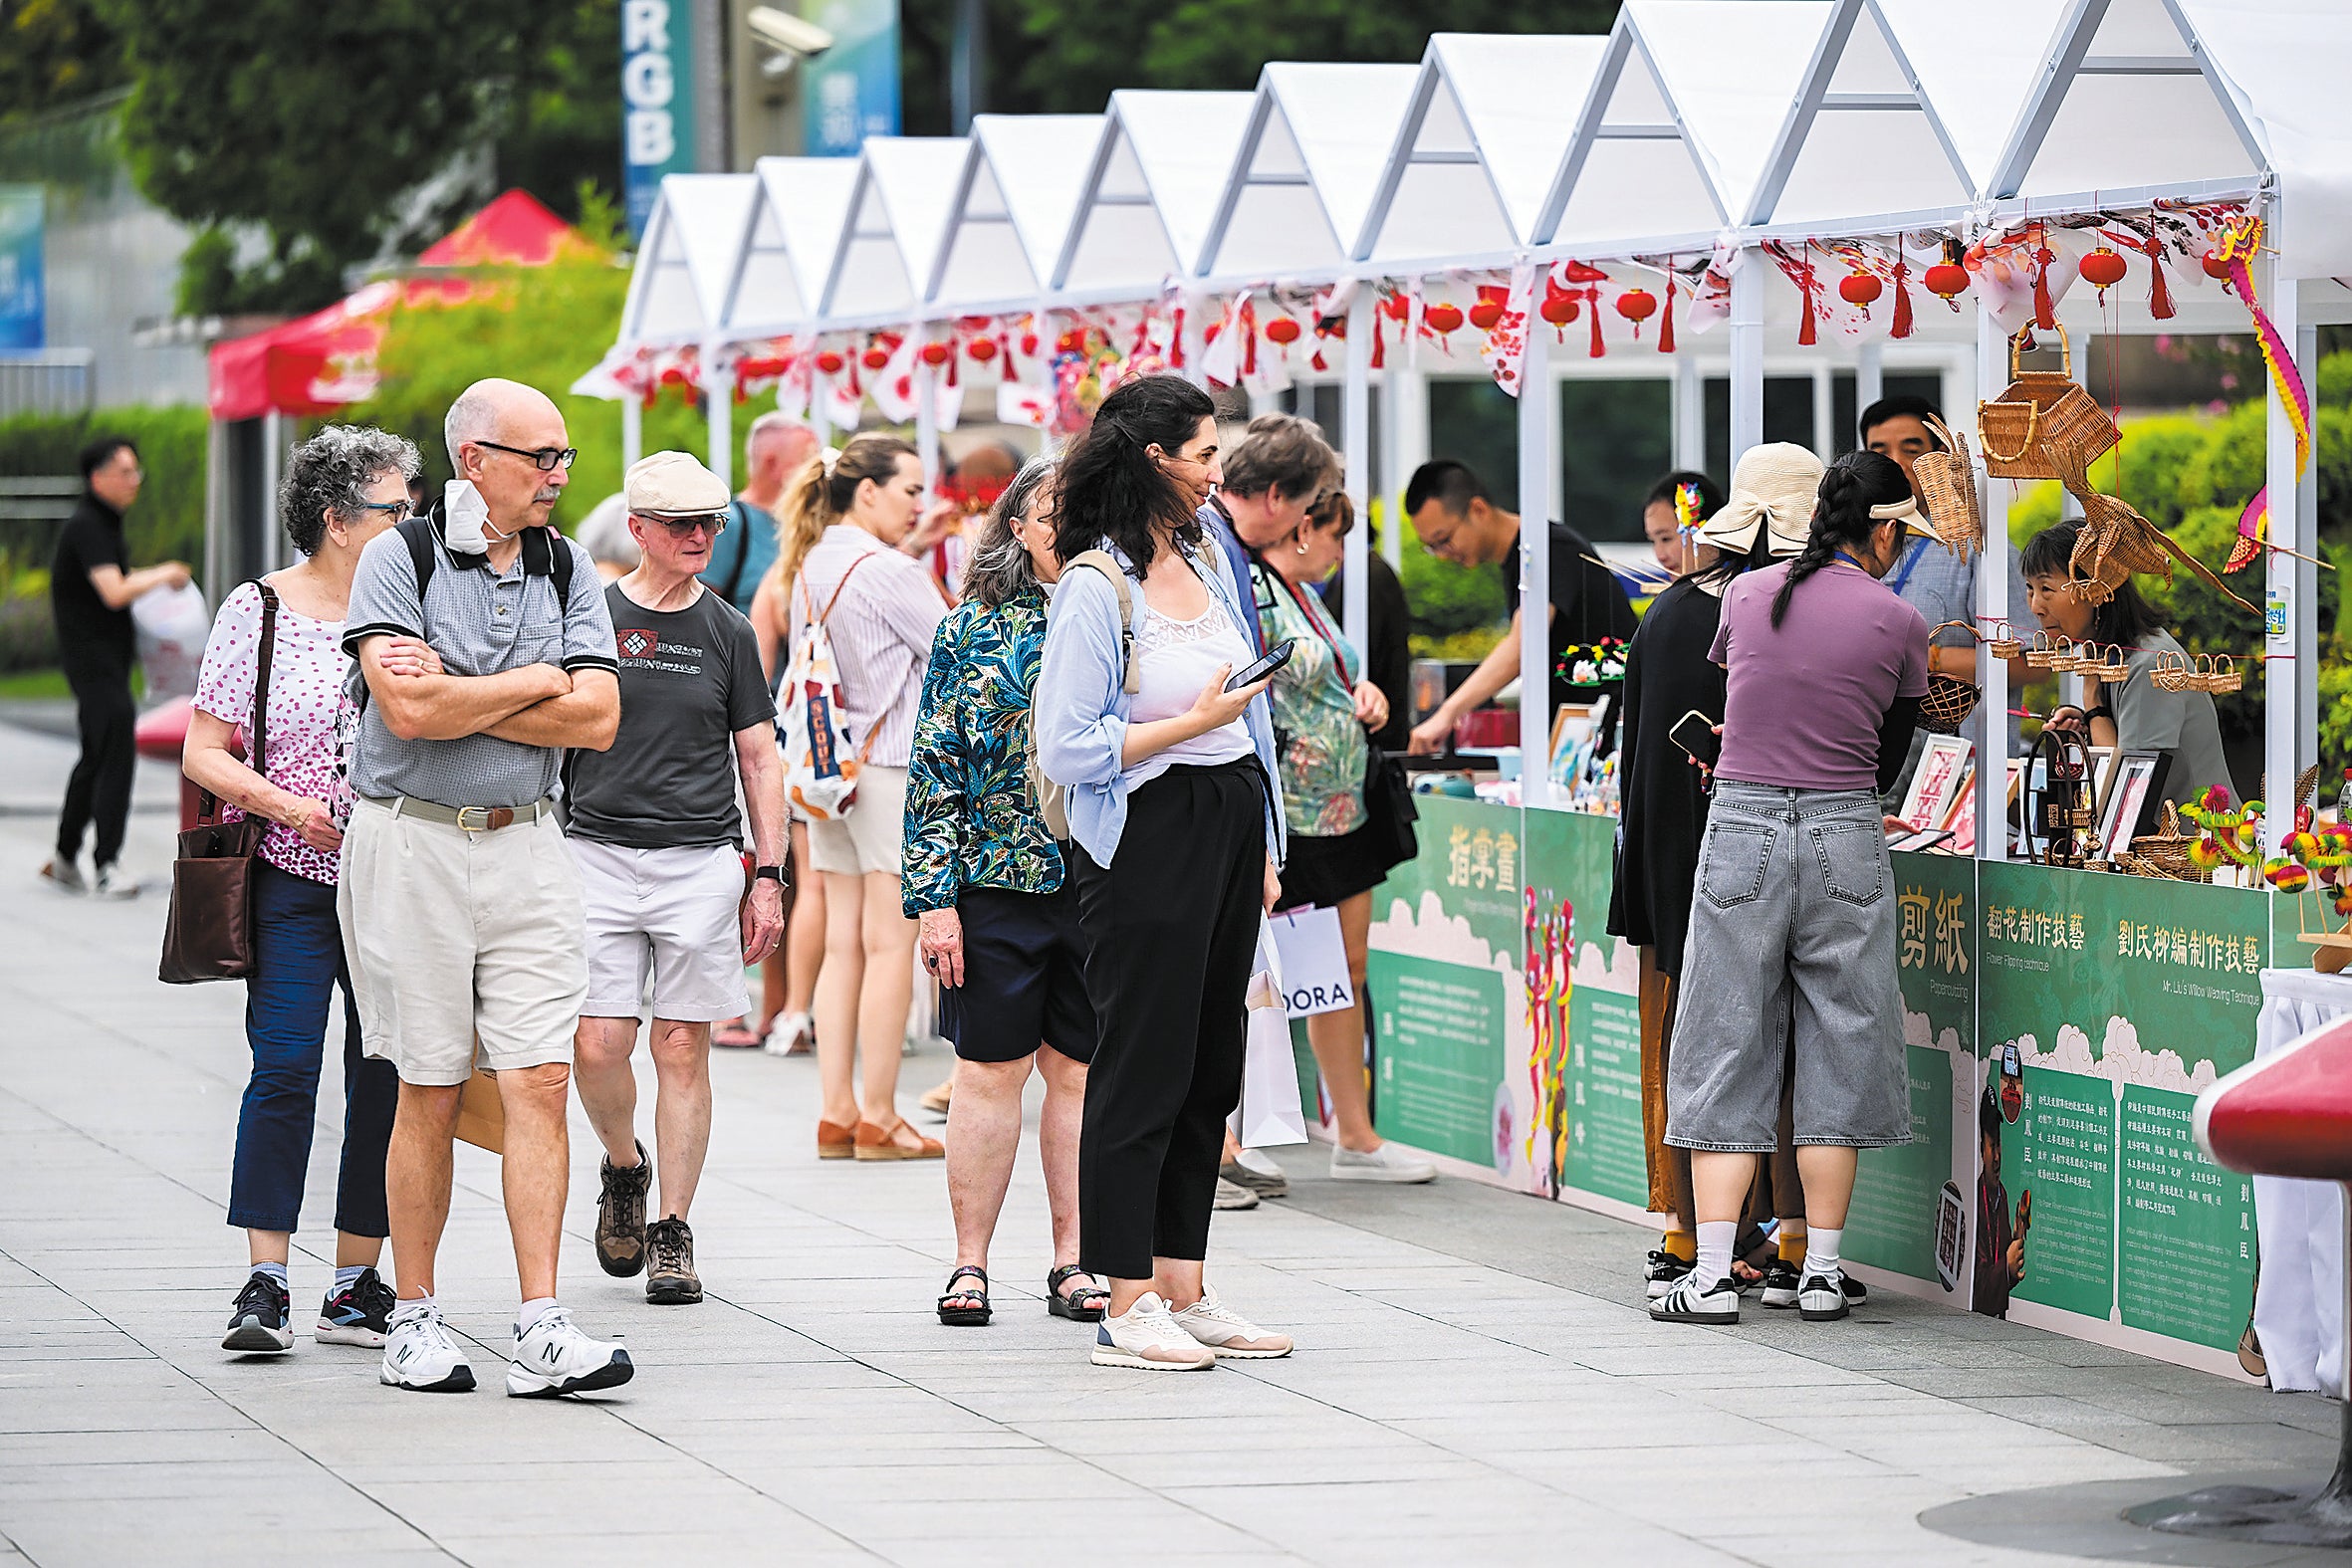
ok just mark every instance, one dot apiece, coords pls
pixel 673 485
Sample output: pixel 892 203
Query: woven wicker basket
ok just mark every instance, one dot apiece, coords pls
pixel 1947 483
pixel 2164 853
pixel 2044 425
pixel 2172 673
pixel 2115 541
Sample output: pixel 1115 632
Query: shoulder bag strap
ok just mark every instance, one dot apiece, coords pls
pixel 1102 562
pixel 257 731
pixel 835 596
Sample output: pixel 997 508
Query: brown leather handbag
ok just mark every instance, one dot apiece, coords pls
pixel 208 934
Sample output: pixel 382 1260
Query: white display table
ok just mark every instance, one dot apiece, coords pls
pixel 2299 1294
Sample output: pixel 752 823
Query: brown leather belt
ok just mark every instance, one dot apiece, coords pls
pixel 473 818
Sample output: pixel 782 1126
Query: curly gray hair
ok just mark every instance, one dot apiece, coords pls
pixel 1000 568
pixel 328 473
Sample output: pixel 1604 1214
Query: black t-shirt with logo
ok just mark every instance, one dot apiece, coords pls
pixel 689 680
pixel 92 635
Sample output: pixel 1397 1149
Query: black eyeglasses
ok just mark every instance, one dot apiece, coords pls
pixel 545 459
pixel 401 510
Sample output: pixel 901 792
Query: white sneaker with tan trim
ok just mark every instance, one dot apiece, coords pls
pixel 1227 1333
pixel 1147 1338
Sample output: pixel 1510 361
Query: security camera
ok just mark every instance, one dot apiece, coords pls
pixel 792 37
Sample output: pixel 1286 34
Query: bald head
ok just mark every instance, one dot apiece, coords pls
pixel 487 410
pixel 492 430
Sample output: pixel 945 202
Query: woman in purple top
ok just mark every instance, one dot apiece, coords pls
pixel 1792 924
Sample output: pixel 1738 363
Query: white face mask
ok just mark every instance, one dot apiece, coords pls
pixel 465 517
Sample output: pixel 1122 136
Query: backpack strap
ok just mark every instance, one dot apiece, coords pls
pixel 1102 562
pixel 741 524
pixel 559 567
pixel 416 530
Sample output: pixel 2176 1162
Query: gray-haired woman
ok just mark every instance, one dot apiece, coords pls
pixel 998 920
pixel 342 487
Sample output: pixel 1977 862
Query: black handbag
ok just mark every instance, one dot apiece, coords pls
pixel 208 934
pixel 1389 812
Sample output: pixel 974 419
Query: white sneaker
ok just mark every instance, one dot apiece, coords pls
pixel 1822 1297
pixel 1147 1338
pixel 1387 1162
pixel 113 882
pixel 556 1358
pixel 792 1036
pixel 1232 1196
pixel 64 875
pixel 419 1354
pixel 1228 1333
pixel 1693 1302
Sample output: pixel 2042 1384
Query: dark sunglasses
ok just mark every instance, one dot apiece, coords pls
pixel 545 459
pixel 685 527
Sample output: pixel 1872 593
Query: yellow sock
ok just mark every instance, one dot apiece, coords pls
pixel 1793 1247
pixel 1679 1243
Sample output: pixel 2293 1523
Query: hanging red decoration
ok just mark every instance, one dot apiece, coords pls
pixel 1028 344
pixel 1592 298
pixel 1379 345
pixel 1282 330
pixel 1806 331
pixel 2102 269
pixel 935 354
pixel 982 350
pixel 1637 306
pixel 2044 312
pixel 1666 328
pixel 1901 326
pixel 1860 288
pixel 2214 267
pixel 1947 281
pixel 830 362
pixel 1442 318
pixel 1493 301
pixel 876 358
pixel 1558 308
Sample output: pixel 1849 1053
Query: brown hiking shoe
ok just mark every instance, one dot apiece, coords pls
pixel 620 1216
pixel 672 1280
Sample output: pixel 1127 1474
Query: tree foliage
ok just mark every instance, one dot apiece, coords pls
pixel 52 53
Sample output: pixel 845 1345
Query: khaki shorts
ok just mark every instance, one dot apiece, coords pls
pixel 868 839
pixel 669 915
pixel 455 935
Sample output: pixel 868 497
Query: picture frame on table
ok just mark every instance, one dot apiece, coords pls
pixel 1943 763
pixel 2129 798
pixel 1573 726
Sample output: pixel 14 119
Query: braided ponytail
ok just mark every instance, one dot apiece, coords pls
pixel 1850 487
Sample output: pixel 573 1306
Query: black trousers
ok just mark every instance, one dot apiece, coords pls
pixel 100 788
pixel 1171 927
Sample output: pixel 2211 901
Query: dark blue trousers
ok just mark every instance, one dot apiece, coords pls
pixel 297 963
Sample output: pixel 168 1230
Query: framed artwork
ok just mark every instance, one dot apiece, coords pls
pixel 1941 762
pixel 2128 791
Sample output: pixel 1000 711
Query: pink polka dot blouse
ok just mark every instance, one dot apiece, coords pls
pixel 306 718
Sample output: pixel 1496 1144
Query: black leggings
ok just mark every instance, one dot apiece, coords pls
pixel 100 788
pixel 1171 929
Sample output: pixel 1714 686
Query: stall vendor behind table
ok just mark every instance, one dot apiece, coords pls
pixel 1459 522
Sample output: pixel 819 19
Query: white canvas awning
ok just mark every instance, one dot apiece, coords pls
pixel 898 216
pixel 692 237
pixel 1159 169
pixel 788 242
pixel 1012 210
pixel 1319 139
pixel 2286 62
pixel 1631 169
pixel 1490 119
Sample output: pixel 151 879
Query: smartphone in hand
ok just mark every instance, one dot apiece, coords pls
pixel 1695 732
pixel 1259 669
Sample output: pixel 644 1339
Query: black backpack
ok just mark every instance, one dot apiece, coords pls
pixel 417 532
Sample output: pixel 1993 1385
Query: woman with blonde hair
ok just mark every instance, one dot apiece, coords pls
pixel 837 561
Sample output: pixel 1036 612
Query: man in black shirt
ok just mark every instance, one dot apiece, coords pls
pixel 1459 522
pixel 89 594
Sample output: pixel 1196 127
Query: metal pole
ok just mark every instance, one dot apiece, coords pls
pixel 718 392
pixel 1535 426
pixel 1355 437
pixel 1690 414
pixel 2288 726
pixel 1989 725
pixel 927 425
pixel 710 85
pixel 632 430
pixel 1406 394
pixel 1748 286
pixel 1869 377
pixel 1824 413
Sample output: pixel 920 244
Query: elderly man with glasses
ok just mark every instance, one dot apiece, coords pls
pixel 459 901
pixel 659 837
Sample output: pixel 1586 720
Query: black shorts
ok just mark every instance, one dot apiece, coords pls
pixel 1329 871
pixel 1025 978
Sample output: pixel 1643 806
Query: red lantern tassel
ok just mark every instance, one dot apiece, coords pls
pixel 2160 293
pixel 2043 309
pixel 1806 336
pixel 1901 327
pixel 1248 341
pixel 1666 328
pixel 1593 306
pixel 1176 345
pixel 1379 344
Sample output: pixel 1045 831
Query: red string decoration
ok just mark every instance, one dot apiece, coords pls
pixel 1176 342
pixel 1666 327
pixel 1901 326
pixel 1806 334
pixel 2045 313
pixel 1593 305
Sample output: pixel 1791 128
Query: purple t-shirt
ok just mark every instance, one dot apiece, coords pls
pixel 1804 702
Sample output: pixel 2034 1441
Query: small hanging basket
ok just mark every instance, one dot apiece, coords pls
pixel 2216 673
pixel 1947 483
pixel 2047 650
pixel 2103 663
pixel 1950 700
pixel 2172 673
pixel 2044 425
pixel 2007 646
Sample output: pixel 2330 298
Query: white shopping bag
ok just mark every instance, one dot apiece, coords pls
pixel 1313 961
pixel 171 626
pixel 1270 1113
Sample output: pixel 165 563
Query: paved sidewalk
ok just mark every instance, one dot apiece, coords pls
pixel 1475 1382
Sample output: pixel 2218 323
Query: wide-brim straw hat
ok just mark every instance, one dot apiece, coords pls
pixel 1773 488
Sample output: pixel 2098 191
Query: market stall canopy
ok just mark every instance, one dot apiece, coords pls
pixel 1318 141
pixel 794 227
pixel 2287 72
pixel 1490 119
pixel 691 242
pixel 1732 70
pixel 1977 63
pixel 515 230
pixel 1631 169
pixel 1159 169
pixel 1012 210
pixel 898 216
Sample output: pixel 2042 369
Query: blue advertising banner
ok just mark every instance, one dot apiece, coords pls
pixel 658 100
pixel 20 268
pixel 851 92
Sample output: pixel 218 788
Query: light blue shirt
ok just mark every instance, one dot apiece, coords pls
pixel 1081 704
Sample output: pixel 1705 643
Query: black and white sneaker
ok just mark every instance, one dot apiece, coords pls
pixel 1665 1271
pixel 1822 1298
pixel 421 1354
pixel 553 1358
pixel 1688 1301
pixel 1781 1283
pixel 257 1323
pixel 358 1315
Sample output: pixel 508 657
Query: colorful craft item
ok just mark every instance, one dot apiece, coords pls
pixel 830 362
pixel 2241 240
pixel 982 350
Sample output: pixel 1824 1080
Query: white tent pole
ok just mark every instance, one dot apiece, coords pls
pixel 1988 726
pixel 1536 427
pixel 1748 285
pixel 927 389
pixel 632 430
pixel 2288 726
pixel 1404 397
pixel 1355 437
pixel 821 407
pixel 1824 413
pixel 718 391
pixel 1869 377
pixel 1690 414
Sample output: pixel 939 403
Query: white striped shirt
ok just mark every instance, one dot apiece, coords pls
pixel 880 628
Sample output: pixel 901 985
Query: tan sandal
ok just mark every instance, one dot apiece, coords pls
pixel 882 1143
pixel 835 1141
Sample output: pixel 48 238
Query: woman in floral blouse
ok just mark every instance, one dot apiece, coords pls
pixel 999 922
pixel 1323 711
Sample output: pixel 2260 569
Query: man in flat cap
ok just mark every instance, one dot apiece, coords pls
pixel 659 840
pixel 484 654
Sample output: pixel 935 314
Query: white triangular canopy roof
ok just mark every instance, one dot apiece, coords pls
pixel 687 256
pixel 1159 169
pixel 898 216
pixel 1013 207
pixel 2286 69
pixel 1319 139
pixel 1490 119
pixel 1733 69
pixel 1631 171
pixel 1978 64
pixel 788 242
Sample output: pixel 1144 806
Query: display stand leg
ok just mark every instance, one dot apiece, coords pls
pixel 2261 1513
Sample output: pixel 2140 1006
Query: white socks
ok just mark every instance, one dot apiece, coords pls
pixel 345 1278
pixel 276 1271
pixel 531 1311
pixel 1821 1246
pixel 1715 1251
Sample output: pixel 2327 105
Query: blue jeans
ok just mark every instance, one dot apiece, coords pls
pixel 297 963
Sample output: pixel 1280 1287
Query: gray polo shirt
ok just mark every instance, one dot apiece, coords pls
pixel 481 622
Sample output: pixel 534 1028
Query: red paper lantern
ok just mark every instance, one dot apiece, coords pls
pixel 1558 308
pixel 1442 318
pixel 2214 267
pixel 1029 345
pixel 1860 288
pixel 875 357
pixel 1282 330
pixel 2102 269
pixel 1486 313
pixel 830 362
pixel 935 353
pixel 1947 280
pixel 982 350
pixel 1637 305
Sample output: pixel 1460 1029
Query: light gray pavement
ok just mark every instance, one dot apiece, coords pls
pixel 1476 1382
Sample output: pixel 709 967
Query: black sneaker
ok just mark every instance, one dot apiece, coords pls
pixel 1822 1298
pixel 671 1280
pixel 358 1314
pixel 620 1216
pixel 257 1323
pixel 1780 1285
pixel 1666 1272
pixel 1691 1302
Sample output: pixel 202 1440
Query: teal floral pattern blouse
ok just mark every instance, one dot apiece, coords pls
pixel 970 822
pixel 1318 740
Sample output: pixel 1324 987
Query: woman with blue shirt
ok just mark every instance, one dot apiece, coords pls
pixel 1177 833
pixel 999 918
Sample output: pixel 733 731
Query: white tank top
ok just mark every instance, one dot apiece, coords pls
pixel 1173 661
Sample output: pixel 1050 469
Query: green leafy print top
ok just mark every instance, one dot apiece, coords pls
pixel 970 822
pixel 1318 742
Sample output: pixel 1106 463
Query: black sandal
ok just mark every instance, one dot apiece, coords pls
pixel 1085 1304
pixel 965 1317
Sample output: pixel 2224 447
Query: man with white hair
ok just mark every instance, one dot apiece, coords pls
pixel 777 447
pixel 459 901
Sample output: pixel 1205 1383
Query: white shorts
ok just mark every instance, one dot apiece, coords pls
pixel 670 914
pixel 868 839
pixel 457 936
